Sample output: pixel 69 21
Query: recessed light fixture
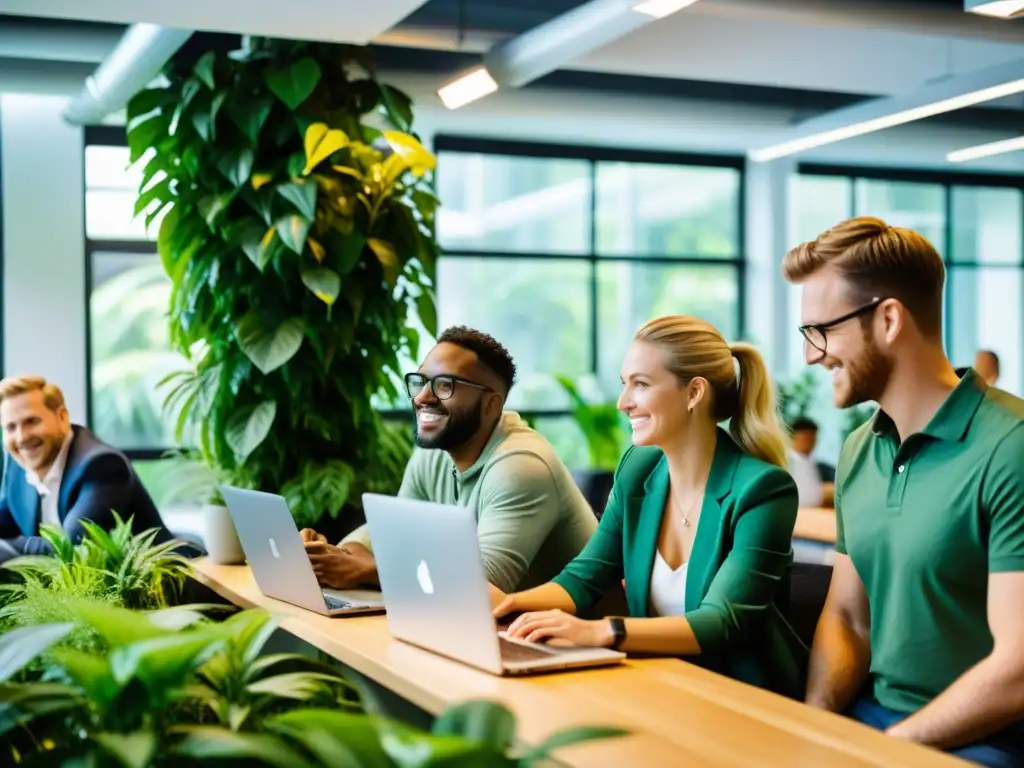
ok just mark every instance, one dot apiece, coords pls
pixel 986 150
pixel 936 98
pixel 1003 9
pixel 659 9
pixel 467 87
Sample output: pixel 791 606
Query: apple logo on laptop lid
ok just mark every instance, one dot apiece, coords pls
pixel 423 577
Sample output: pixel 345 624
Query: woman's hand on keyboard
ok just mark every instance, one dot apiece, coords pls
pixel 542 626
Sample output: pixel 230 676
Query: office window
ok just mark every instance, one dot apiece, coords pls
pixel 539 309
pixel 816 203
pixel 987 226
pixel 562 253
pixel 917 206
pixel 129 348
pixel 513 204
pixel 667 210
pixel 111 189
pixel 631 293
pixel 984 279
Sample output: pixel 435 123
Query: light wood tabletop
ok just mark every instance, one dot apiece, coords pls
pixel 677 713
pixel 816 524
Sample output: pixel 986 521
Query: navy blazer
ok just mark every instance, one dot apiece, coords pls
pixel 97 481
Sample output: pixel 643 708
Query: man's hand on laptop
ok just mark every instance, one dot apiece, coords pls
pixel 309 535
pixel 345 567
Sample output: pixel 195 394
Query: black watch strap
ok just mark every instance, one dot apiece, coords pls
pixel 618 631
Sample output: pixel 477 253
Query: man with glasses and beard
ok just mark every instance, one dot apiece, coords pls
pixel 922 631
pixel 532 520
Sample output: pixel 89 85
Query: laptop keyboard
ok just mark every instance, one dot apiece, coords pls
pixel 335 603
pixel 515 652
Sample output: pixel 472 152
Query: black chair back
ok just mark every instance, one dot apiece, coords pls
pixel 808 588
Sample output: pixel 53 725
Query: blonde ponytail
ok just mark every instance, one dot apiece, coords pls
pixel 695 348
pixel 756 425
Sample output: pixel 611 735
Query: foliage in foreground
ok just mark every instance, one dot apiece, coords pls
pixel 177 689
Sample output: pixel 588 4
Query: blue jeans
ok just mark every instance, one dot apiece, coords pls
pixel 1003 749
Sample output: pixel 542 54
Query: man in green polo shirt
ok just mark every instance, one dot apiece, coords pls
pixel 922 634
pixel 532 519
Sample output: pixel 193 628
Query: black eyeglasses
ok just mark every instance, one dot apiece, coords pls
pixel 816 334
pixel 443 386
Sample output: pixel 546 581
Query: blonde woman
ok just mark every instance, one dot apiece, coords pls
pixel 699 522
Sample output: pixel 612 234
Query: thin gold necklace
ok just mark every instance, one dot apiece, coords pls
pixel 685 515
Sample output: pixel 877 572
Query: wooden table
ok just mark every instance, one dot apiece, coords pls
pixel 678 713
pixel 816 524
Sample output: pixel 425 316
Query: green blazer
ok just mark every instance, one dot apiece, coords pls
pixel 737 585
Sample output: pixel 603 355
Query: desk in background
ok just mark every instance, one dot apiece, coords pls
pixel 678 713
pixel 814 536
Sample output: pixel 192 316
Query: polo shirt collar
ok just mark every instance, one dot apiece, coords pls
pixel 953 418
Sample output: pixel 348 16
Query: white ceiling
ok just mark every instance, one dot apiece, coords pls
pixel 815 54
pixel 351 21
pixel 863 47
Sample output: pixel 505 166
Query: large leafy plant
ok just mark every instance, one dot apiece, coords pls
pixel 297 233
pixel 176 689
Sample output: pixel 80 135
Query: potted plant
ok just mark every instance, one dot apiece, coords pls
pixel 796 397
pixel 297 232
pixel 195 481
pixel 605 431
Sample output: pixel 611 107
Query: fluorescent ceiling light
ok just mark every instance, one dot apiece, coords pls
pixel 468 87
pixel 878 114
pixel 1003 9
pixel 659 9
pixel 537 52
pixel 986 150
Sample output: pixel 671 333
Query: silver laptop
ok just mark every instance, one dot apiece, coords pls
pixel 277 557
pixel 432 575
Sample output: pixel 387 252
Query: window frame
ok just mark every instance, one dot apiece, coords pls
pixel 593 156
pixel 108 136
pixel 114 136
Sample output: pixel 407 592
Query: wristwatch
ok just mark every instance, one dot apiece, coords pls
pixel 618 631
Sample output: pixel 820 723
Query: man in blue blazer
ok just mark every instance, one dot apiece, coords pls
pixel 59 473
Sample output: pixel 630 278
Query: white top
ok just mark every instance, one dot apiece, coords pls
pixel 668 587
pixel 808 481
pixel 49 487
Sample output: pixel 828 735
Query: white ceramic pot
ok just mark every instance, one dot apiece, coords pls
pixel 220 537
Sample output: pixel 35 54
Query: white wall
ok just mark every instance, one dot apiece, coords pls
pixel 43 244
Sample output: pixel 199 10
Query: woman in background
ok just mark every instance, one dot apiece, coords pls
pixel 699 522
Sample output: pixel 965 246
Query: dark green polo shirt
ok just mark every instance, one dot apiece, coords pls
pixel 925 523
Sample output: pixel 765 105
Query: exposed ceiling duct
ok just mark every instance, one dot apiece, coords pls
pixel 543 49
pixel 135 62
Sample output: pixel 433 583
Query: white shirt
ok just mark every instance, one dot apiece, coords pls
pixel 668 587
pixel 808 481
pixel 49 487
